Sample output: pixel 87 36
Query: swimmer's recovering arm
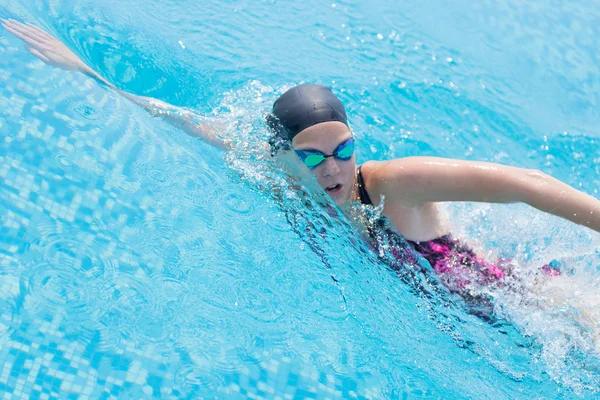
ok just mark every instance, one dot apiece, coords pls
pixel 415 181
pixel 53 52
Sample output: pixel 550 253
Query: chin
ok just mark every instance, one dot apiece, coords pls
pixel 341 200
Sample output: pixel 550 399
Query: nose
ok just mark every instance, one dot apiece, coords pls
pixel 330 168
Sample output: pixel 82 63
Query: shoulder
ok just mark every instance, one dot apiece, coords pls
pixel 402 179
pixel 417 167
pixel 380 173
pixel 380 176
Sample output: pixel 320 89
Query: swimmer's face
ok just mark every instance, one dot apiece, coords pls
pixel 334 175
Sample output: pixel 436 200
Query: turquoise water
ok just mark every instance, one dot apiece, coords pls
pixel 138 262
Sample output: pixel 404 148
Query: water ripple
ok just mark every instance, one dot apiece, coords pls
pixel 87 111
pixel 72 253
pixel 254 298
pixel 237 203
pixel 136 309
pixel 71 276
pixel 278 223
pixel 65 162
pixel 59 289
pixel 199 187
pixel 199 378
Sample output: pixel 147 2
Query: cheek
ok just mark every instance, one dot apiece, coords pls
pixel 350 168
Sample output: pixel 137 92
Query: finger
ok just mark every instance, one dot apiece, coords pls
pixel 33 42
pixel 11 29
pixel 39 55
pixel 25 32
pixel 32 29
pixel 28 29
pixel 41 32
pixel 6 23
pixel 11 22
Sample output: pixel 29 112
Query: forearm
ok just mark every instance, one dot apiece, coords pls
pixel 208 131
pixel 84 69
pixel 139 100
pixel 98 78
pixel 555 197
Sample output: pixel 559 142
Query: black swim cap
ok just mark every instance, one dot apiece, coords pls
pixel 301 107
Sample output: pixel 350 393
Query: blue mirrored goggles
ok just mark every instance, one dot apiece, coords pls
pixel 312 158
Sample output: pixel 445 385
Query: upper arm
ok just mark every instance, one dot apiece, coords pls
pixel 418 180
pixel 210 131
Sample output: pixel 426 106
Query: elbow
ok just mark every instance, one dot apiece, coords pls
pixel 536 178
pixel 535 186
pixel 535 174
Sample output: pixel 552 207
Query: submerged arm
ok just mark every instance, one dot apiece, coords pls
pixel 419 180
pixel 53 52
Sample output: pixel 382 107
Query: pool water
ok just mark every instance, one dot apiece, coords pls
pixel 137 262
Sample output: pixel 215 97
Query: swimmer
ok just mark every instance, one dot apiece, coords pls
pixel 310 128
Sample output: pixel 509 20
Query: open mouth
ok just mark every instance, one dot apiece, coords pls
pixel 334 189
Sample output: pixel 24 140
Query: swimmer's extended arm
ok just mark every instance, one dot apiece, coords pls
pixel 53 52
pixel 415 181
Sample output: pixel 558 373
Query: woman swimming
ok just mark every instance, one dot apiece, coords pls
pixel 310 128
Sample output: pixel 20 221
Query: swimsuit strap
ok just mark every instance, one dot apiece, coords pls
pixel 362 191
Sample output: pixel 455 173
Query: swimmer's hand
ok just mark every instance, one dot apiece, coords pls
pixel 49 49
pixel 44 46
